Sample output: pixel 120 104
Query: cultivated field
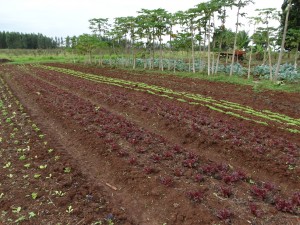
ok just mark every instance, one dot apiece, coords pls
pixel 84 145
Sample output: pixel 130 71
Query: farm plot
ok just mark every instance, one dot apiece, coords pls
pixel 172 156
pixel 40 183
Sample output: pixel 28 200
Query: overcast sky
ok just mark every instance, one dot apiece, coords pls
pixel 70 17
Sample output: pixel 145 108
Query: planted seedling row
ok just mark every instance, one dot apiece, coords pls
pixel 172 165
pixel 256 143
pixel 264 117
pixel 37 180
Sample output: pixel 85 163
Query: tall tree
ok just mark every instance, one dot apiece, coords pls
pixel 293 40
pixel 87 43
pixel 283 39
pixel 254 21
pixel 187 19
pixel 207 9
pixel 294 18
pixel 220 32
pixel 99 26
pixel 157 21
pixel 239 4
pixel 161 24
pixel 268 14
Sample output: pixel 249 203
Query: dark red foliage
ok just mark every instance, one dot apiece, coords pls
pixel 190 163
pixel 259 192
pixel 199 178
pixel 133 141
pixel 296 199
pixel 260 149
pixel 209 169
pixel 196 196
pixel 133 161
pixel 255 210
pixel 167 181
pixel 141 150
pixel 233 177
pixel 156 158
pixel 225 215
pixel 115 147
pixel 285 205
pixel 223 167
pixel 269 186
pixel 178 172
pixel 149 170
pixel 177 149
pixel 226 191
pixel 168 155
pixel 123 153
pixel 101 134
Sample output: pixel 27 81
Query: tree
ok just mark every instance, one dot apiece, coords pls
pixel 87 43
pixel 293 40
pixel 68 42
pixel 283 39
pixel 157 23
pixel 266 15
pixel 239 4
pixel 294 18
pixel 254 21
pixel 161 23
pixel 221 31
pixel 99 26
pixel 207 9
pixel 187 18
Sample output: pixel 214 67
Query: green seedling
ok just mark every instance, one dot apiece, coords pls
pixel 36 176
pixel 110 222
pixel 31 215
pixel 50 150
pixel 69 209
pixel 291 167
pixel 96 223
pixel 10 175
pixel 7 165
pixel 34 195
pixel 43 167
pixel 16 209
pixel 59 193
pixel 1 195
pixel 251 181
pixel 67 169
pixel 57 157
pixel 27 165
pixel 20 219
pixel 22 157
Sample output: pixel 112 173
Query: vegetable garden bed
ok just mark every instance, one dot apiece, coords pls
pixel 169 150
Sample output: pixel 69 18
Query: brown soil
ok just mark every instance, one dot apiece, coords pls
pixel 137 176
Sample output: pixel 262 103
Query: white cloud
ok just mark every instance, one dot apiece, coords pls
pixel 69 17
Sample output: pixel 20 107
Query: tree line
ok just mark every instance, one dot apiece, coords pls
pixel 201 28
pixel 16 40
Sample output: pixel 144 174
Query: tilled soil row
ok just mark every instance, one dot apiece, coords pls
pixel 40 182
pixel 118 167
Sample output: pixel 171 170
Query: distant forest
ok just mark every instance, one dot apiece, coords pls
pixel 16 40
